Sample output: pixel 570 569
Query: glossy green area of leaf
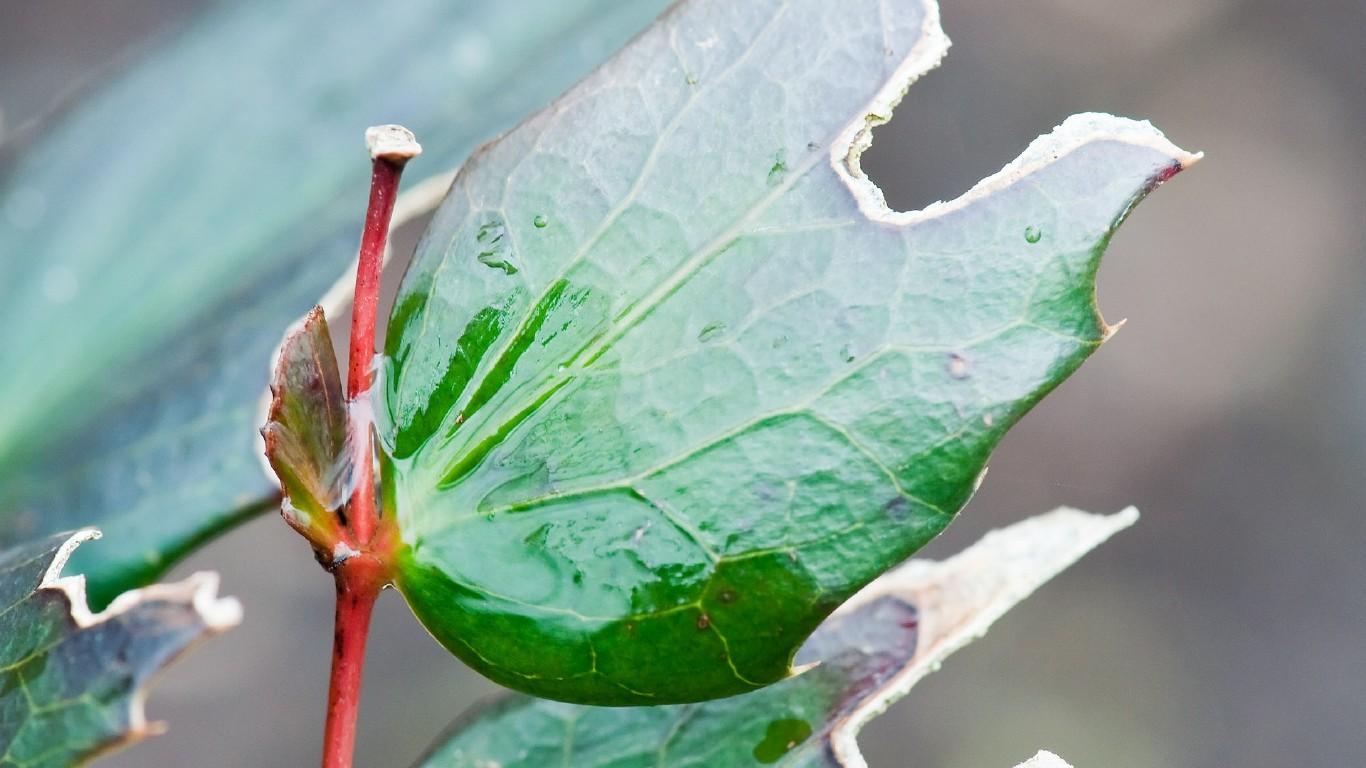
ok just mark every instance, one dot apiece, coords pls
pixel 154 244
pixel 666 381
pixel 71 685
pixel 787 723
pixel 869 656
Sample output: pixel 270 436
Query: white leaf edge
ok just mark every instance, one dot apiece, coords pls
pixel 199 591
pixel 958 599
pixel 846 152
pixel 1044 759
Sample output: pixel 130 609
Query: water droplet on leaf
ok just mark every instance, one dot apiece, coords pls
pixel 711 331
pixel 1033 234
pixel 778 169
pixel 958 366
pixel 495 251
pixel 540 221
pixel 489 260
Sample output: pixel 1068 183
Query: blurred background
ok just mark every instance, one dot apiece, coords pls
pixel 1227 629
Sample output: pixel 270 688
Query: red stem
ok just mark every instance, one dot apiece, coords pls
pixel 383 189
pixel 361 514
pixel 359 582
pixel 361 576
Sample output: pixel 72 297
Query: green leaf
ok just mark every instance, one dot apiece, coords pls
pixel 667 381
pixel 154 244
pixel 867 656
pixel 72 683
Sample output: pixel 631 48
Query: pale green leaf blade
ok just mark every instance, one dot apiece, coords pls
pixel 667 382
pixel 155 243
pixel 72 683
pixel 869 655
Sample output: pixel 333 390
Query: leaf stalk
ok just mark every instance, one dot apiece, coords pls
pixel 359 581
pixel 361 576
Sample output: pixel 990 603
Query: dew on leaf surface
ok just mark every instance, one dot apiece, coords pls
pixel 778 169
pixel 958 366
pixel 494 249
pixel 711 331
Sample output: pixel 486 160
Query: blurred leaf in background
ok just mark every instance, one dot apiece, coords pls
pixel 73 684
pixel 156 242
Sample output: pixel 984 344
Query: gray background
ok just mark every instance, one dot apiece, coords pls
pixel 1227 629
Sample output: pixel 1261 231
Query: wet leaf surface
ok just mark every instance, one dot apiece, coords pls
pixel 667 382
pixel 869 655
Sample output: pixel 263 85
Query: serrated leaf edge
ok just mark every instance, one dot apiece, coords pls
pixel 961 597
pixel 199 590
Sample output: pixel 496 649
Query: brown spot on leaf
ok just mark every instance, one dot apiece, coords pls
pixel 703 621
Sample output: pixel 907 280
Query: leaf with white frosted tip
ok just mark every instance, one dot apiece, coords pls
pixel 862 659
pixel 666 380
pixel 72 682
